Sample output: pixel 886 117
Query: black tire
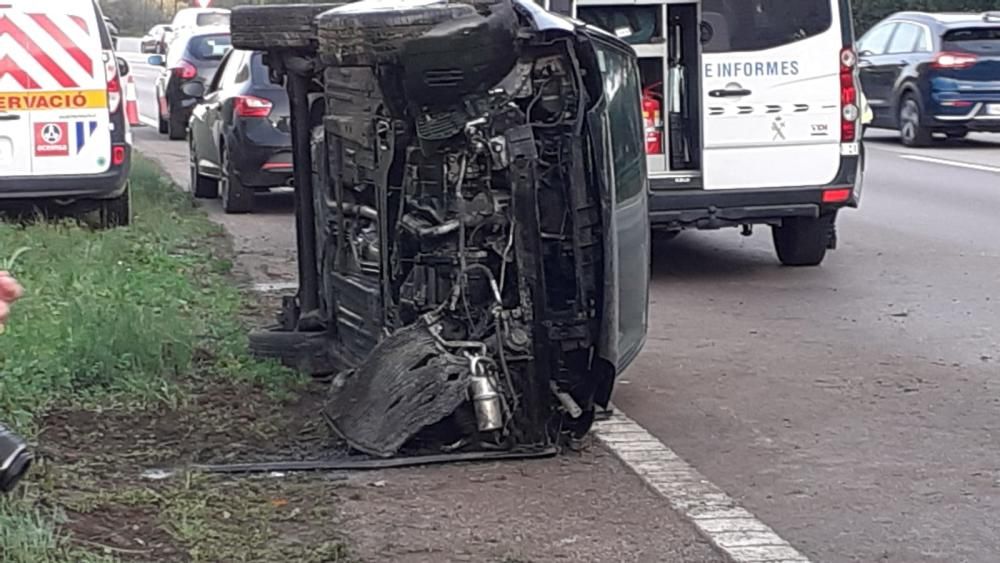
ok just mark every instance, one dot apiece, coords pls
pixel 201 187
pixel 236 198
pixel 803 241
pixel 283 26
pixel 164 127
pixel 366 38
pixel 912 132
pixel 117 212
pixel 176 130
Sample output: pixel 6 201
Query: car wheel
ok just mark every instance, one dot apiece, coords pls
pixel 117 212
pixel 803 241
pixel 912 132
pixel 235 197
pixel 267 27
pixel 358 37
pixel 164 127
pixel 201 187
pixel 176 129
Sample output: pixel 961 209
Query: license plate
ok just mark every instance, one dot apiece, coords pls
pixel 992 109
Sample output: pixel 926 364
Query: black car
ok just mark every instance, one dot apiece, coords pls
pixel 191 63
pixel 156 40
pixel 240 134
pixel 927 74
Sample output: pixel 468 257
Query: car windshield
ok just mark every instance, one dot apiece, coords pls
pixel 212 19
pixel 210 47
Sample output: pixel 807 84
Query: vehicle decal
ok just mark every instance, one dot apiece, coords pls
pixel 74 50
pixel 50 139
pixel 84 131
pixel 28 101
pixel 41 51
pixel 82 23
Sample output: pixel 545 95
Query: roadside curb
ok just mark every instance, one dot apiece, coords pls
pixel 730 528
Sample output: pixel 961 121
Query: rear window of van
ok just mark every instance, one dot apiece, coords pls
pixel 212 19
pixel 755 25
pixel 210 47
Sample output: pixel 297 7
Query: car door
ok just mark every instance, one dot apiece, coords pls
pixel 900 56
pixel 772 92
pixel 207 114
pixel 875 82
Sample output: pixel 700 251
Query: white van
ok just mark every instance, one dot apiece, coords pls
pixel 189 18
pixel 64 136
pixel 751 111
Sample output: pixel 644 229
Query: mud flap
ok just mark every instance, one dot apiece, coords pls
pixel 407 383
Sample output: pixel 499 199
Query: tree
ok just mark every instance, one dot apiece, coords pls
pixel 869 12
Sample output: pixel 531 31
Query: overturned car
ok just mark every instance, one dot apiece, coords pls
pixel 471 213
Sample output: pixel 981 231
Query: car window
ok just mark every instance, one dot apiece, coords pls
pixel 621 91
pixel 980 40
pixel 923 42
pixel 754 25
pixel 905 39
pixel 212 19
pixel 210 47
pixel 876 41
pixel 229 75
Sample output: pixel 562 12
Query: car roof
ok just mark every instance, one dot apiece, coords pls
pixel 948 20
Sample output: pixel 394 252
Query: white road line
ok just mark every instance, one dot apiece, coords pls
pixel 275 287
pixel 956 163
pixel 149 121
pixel 731 529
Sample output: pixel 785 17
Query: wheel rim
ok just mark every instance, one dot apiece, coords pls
pixel 909 117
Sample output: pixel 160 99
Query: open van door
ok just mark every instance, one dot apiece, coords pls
pixel 772 92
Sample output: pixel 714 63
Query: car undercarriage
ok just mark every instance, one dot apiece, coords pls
pixel 455 222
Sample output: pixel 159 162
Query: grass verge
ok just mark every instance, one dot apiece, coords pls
pixel 128 352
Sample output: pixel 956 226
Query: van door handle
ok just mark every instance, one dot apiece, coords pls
pixel 729 93
pixel 10 117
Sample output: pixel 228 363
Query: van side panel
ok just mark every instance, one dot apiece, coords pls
pixel 53 85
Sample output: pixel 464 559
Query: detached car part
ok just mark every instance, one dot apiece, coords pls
pixel 465 211
pixel 15 459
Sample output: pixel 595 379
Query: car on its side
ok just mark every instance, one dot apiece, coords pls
pixel 933 74
pixel 156 40
pixel 190 64
pixel 240 134
pixel 65 141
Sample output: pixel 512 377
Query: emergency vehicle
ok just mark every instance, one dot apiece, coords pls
pixel 753 113
pixel 64 132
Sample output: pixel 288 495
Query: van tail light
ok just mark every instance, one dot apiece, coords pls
pixel 117 155
pixel 849 111
pixel 250 106
pixel 184 70
pixel 114 84
pixel 952 60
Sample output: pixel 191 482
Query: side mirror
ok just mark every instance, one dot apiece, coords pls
pixel 157 60
pixel 123 67
pixel 193 90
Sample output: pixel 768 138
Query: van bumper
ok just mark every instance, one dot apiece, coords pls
pixel 716 209
pixel 108 185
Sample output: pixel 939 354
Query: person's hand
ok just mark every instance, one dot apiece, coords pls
pixel 10 291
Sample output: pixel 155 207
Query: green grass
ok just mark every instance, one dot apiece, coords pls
pixel 117 315
pixel 140 319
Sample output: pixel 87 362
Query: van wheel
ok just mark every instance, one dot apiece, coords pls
pixel 911 131
pixel 117 212
pixel 803 241
pixel 235 197
pixel 202 187
pixel 267 27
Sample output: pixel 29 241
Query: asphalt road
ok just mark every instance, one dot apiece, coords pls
pixel 853 407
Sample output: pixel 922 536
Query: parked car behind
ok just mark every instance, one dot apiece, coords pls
pixel 927 74
pixel 190 64
pixel 156 40
pixel 64 135
pixel 240 134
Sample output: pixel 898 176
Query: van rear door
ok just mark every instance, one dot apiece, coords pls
pixel 54 117
pixel 772 92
